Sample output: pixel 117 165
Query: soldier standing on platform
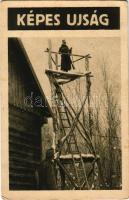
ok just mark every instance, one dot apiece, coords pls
pixel 65 57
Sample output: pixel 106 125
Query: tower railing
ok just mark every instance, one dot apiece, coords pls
pixel 54 58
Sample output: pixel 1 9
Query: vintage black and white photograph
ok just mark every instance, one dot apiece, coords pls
pixel 64 113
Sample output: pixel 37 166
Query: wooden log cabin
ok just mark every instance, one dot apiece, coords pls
pixel 26 117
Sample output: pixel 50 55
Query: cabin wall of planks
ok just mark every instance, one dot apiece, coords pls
pixel 25 121
pixel 24 148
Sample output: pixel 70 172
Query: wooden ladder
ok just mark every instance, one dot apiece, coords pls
pixel 77 168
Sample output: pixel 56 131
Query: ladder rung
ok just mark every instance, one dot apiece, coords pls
pixel 81 174
pixel 71 139
pixel 62 112
pixel 71 142
pixel 71 135
pixel 81 169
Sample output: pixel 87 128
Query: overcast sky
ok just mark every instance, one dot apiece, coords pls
pixel 99 48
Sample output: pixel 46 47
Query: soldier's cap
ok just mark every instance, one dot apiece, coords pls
pixel 63 41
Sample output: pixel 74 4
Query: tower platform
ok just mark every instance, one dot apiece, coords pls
pixel 66 159
pixel 65 77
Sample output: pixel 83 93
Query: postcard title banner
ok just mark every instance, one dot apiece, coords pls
pixel 66 18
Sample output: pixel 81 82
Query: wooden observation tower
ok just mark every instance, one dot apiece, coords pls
pixel 78 169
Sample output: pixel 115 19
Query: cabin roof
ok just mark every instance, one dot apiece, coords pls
pixel 20 45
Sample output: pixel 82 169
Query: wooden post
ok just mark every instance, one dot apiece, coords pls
pixel 88 81
pixel 87 64
pixel 49 54
pixel 56 61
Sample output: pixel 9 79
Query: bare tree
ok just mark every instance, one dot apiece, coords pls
pixel 105 117
pixel 111 129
